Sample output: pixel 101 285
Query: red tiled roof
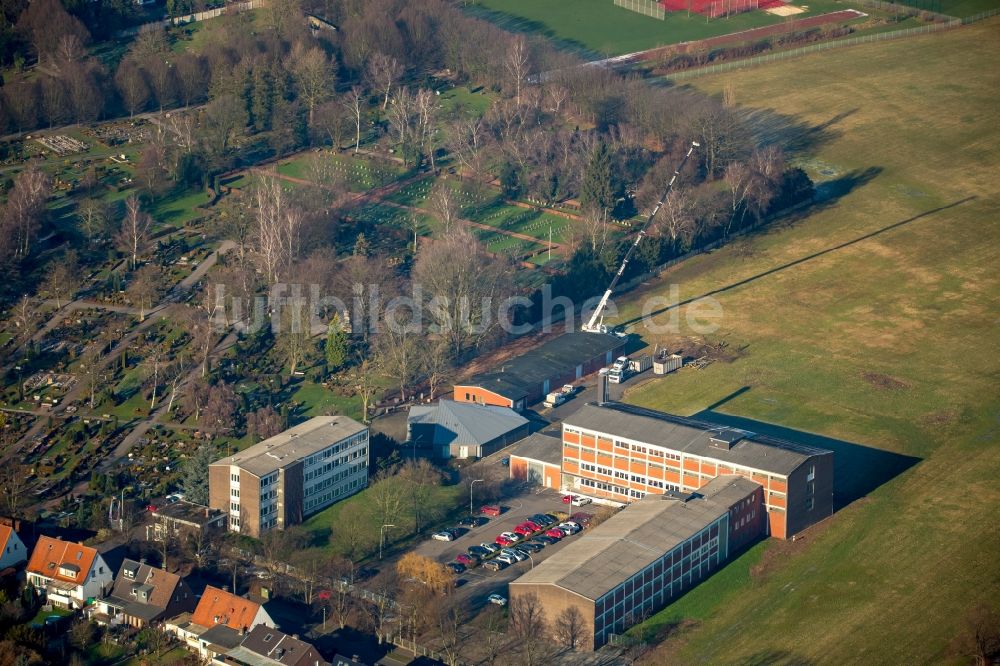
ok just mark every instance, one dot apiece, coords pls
pixel 221 607
pixel 62 560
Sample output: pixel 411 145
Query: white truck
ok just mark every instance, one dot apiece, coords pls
pixel 557 398
pixel 619 371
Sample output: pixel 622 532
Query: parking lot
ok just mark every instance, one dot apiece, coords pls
pixel 479 583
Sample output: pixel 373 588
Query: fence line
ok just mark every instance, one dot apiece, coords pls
pixel 649 8
pixel 812 48
pixel 247 5
pixel 419 650
pixel 981 15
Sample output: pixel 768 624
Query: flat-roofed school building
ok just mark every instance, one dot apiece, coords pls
pixel 645 556
pixel 278 482
pixel 621 452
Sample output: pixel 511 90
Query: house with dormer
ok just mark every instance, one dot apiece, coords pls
pixel 265 646
pixel 68 573
pixel 219 623
pixel 142 595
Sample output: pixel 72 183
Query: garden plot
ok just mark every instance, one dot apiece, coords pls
pixel 358 174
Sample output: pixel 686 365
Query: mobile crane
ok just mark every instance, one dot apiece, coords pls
pixel 596 323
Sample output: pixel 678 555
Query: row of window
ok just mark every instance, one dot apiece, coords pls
pixel 360 438
pixel 317 503
pixel 333 479
pixel 343 460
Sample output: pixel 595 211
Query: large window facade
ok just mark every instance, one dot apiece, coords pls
pixel 661 582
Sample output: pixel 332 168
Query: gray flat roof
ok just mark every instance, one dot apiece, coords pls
pixel 465 422
pixel 539 446
pixel 601 559
pixel 678 433
pixel 293 444
pixel 520 376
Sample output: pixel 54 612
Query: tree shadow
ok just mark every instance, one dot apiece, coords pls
pixel 801 260
pixel 513 23
pixel 857 469
pixel 790 133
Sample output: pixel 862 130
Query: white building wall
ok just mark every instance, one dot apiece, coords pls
pixel 14 553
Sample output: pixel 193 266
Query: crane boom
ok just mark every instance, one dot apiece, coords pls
pixel 595 325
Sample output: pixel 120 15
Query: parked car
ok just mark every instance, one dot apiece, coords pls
pixel 511 535
pixel 478 551
pixel 516 554
pixel 456 567
pixel 568 498
pixel 581 501
pixel 504 541
pixel 443 535
pixel 491 510
pixel 532 524
pixel 495 565
pixel 473 521
pixel 569 527
pixel 466 559
pixel 582 519
pixel 530 546
pixel 497 599
pixel 555 533
pixel 505 558
pixel 490 547
pixel 524 529
pixel 542 519
pixel 547 540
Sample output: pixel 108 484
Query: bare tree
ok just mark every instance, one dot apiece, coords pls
pixel 438 366
pixel 277 229
pixel 528 626
pixel 354 103
pixel 426 105
pixel 399 349
pixel 569 628
pixel 443 204
pixel 383 71
pixel 25 209
pixel 450 619
pixel 463 285
pixel 263 423
pixel 495 641
pixel 64 278
pixel 980 639
pixel 92 215
pixel 468 140
pixel 133 235
pixel 595 221
pixel 677 218
pixel 145 287
pixel 516 64
pixel 314 76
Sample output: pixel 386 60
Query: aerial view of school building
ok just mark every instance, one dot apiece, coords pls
pixel 642 558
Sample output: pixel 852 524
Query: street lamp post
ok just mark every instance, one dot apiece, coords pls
pixel 530 558
pixel 471 486
pixel 381 539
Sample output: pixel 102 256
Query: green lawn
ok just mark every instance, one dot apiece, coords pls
pixel 462 99
pixel 959 8
pixel 178 209
pixel 359 174
pixel 318 401
pixel 887 340
pixel 599 28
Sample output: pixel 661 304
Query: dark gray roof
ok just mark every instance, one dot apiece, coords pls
pixel 264 645
pixel 767 454
pixel 465 422
pixel 539 446
pixel 222 636
pixel 520 376
pixel 601 559
pixel 294 444
pixel 188 512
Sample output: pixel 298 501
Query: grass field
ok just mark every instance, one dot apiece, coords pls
pixel 872 320
pixel 597 28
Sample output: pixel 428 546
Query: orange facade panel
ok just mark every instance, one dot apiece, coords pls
pixel 482 396
pixel 588 456
pixel 672 477
pixel 775 500
pixel 692 481
pixel 778 485
pixel 776 521
pixel 571 438
pixel 621 463
pixel 604 445
pixel 670 462
pixel 690 465
pixel 709 468
pixel 570 453
pixel 588 440
pixel 571 467
pixel 604 459
pixel 656 472
pixel 638 467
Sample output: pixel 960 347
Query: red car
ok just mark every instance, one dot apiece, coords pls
pixel 491 510
pixel 532 524
pixel 468 560
pixel 526 529
pixel 504 541
pixel 555 533
pixel 567 499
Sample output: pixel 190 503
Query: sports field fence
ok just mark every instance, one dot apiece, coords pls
pixel 650 8
pixel 812 48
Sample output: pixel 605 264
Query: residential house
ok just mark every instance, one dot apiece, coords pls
pixel 12 550
pixel 68 573
pixel 142 595
pixel 265 646
pixel 219 623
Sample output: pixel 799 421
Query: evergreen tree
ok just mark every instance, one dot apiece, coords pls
pixel 597 192
pixel 337 342
pixel 362 248
pixel 194 474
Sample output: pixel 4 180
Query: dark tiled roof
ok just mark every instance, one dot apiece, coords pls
pixel 522 375
pixel 678 433
pixel 280 647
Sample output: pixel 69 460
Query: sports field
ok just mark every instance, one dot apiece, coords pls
pixel 597 28
pixel 873 320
